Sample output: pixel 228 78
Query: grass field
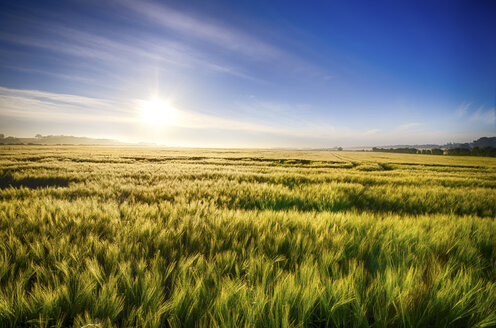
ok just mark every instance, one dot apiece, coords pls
pixel 150 237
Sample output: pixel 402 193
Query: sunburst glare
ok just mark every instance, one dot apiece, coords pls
pixel 158 112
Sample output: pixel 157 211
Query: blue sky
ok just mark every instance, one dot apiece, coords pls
pixel 250 73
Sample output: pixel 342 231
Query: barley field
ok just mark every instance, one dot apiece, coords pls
pixel 155 237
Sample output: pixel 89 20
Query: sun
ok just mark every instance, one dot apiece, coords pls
pixel 157 112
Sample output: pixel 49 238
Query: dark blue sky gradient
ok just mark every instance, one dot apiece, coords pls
pixel 253 73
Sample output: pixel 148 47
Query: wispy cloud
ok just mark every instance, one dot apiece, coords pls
pixel 462 109
pixel 203 29
pixel 481 115
pixel 409 126
pixel 56 109
pixel 40 105
pixel 206 30
pixel 49 73
pixel 484 116
pixel 52 97
pixel 172 39
pixel 123 51
pixel 373 131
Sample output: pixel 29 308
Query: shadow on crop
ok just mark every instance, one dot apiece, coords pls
pixel 8 180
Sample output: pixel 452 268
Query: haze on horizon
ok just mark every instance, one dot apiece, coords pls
pixel 250 73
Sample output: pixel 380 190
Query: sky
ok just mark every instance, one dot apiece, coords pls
pixel 250 73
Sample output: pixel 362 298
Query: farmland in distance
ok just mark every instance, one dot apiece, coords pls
pixel 156 237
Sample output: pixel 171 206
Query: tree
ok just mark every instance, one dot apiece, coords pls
pixel 488 151
pixel 459 152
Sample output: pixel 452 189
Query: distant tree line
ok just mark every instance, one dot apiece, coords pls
pixel 459 151
pixel 397 150
pixel 55 140
pixel 475 151
pixel 433 151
